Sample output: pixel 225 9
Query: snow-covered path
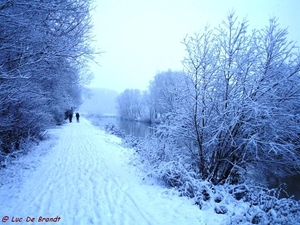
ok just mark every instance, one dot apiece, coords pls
pixel 84 178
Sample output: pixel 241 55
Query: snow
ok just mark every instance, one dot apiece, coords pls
pixel 81 175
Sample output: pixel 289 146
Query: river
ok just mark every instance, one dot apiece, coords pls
pixel 137 129
pixel 141 130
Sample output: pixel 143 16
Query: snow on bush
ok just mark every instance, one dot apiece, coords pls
pixel 113 129
pixel 94 118
pixel 245 203
pixel 264 207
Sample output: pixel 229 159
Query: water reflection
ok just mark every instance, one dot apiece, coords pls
pixel 137 129
pixel 292 185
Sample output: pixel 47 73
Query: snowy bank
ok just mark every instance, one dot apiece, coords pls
pixel 82 176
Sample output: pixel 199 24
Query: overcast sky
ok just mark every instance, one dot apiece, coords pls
pixel 143 37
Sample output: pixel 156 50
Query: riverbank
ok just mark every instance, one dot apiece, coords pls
pixel 257 200
pixel 129 127
pixel 142 130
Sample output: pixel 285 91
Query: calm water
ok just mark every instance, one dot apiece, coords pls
pixel 292 182
pixel 137 129
pixel 141 130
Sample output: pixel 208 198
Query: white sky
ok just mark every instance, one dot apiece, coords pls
pixel 143 37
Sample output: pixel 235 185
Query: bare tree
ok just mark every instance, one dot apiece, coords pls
pixel 164 92
pixel 239 111
pixel 129 104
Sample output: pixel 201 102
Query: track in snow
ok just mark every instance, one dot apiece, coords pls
pixel 84 179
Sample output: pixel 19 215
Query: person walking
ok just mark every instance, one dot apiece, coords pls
pixel 70 117
pixel 77 117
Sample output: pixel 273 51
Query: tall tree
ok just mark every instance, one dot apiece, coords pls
pixel 44 46
pixel 129 104
pixel 164 92
pixel 240 110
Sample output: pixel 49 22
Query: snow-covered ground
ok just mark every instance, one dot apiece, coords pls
pixel 81 175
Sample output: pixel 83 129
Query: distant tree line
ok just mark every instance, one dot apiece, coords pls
pixel 152 105
pixel 233 112
pixel 44 47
